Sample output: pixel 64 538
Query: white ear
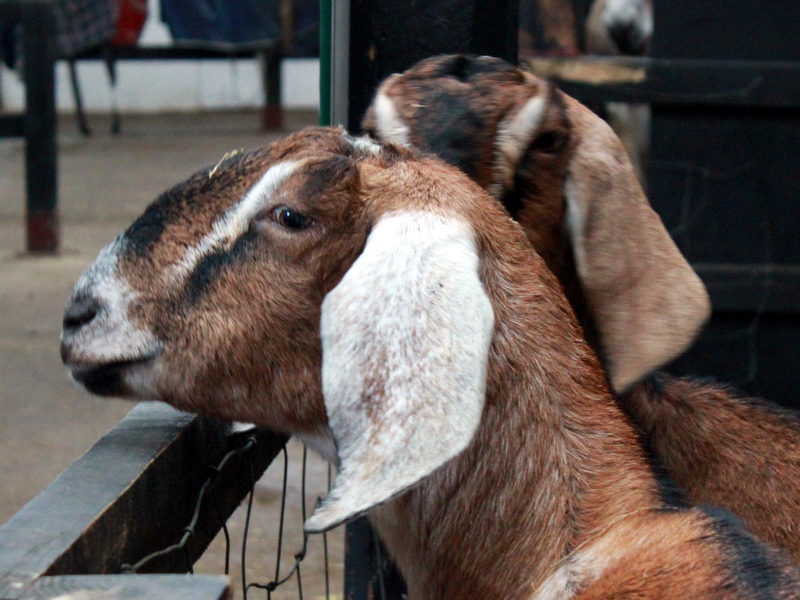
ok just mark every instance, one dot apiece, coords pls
pixel 405 342
pixel 647 302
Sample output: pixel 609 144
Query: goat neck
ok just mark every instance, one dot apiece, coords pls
pixel 553 464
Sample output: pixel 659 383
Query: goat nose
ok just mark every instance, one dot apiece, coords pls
pixel 80 311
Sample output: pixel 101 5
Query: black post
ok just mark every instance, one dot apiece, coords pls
pixel 368 572
pixel 39 51
pixel 495 29
pixel 272 117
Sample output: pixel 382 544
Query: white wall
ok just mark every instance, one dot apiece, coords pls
pixel 157 86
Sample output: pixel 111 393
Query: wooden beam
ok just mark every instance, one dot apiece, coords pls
pixel 131 587
pixel 206 52
pixel 676 82
pixel 130 495
pixel 766 288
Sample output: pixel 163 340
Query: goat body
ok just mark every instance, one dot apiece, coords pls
pixel 473 422
pixel 476 113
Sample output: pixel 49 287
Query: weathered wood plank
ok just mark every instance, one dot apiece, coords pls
pixel 744 288
pixel 131 587
pixel 686 82
pixel 130 495
pixel 178 52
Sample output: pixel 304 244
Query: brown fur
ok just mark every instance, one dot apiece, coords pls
pixel 552 499
pixel 739 454
pixel 714 441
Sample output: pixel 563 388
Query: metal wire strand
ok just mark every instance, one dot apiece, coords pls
pixel 224 531
pixel 189 530
pixel 208 488
pixel 301 554
pixel 325 548
pixel 246 528
pixel 275 583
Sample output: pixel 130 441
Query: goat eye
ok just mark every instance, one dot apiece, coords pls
pixel 290 219
pixel 549 141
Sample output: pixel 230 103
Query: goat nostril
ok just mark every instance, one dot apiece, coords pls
pixel 80 312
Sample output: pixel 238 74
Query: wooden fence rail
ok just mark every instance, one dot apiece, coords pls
pixel 132 494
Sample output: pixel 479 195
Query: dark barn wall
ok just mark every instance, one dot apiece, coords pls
pixel 726 181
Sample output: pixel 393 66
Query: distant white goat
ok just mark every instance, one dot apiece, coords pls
pixel 624 27
pixel 619 27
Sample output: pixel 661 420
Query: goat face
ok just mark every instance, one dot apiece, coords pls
pixel 220 275
pixel 213 301
pixel 562 173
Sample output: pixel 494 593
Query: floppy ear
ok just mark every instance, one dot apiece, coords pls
pixel 405 342
pixel 647 302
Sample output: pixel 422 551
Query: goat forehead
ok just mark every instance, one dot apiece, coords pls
pixel 231 225
pixel 464 68
pixel 210 213
pixel 188 209
pixel 473 125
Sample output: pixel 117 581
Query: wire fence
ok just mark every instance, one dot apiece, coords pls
pixel 242 443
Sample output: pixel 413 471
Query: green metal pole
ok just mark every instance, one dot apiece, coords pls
pixel 325 9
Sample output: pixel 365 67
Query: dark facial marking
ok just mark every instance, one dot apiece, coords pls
pixel 180 202
pixel 321 175
pixel 466 67
pixel 449 128
pixel 547 144
pixel 209 267
pixel 524 185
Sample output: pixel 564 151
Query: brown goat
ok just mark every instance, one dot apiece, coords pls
pixel 561 172
pixel 383 307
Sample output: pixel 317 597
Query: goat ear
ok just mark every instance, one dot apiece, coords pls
pixel 405 343
pixel 647 302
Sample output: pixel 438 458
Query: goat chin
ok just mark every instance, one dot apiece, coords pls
pixel 378 302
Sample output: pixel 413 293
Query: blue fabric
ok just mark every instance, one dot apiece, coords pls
pixel 306 28
pixel 241 22
pixel 222 21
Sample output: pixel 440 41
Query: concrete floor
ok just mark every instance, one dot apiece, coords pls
pixel 46 423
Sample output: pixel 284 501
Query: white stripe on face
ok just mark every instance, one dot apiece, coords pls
pixel 514 135
pixel 235 222
pixel 388 123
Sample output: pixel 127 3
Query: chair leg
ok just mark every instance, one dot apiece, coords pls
pixel 272 116
pixel 111 66
pixel 83 125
